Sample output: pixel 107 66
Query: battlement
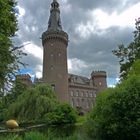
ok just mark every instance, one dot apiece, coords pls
pixel 23 76
pixel 57 35
pixel 98 74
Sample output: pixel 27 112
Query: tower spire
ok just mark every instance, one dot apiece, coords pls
pixel 54 20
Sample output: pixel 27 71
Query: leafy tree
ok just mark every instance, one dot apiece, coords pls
pixel 9 55
pixel 116 114
pixel 11 96
pixel 129 54
pixel 33 104
pixel 39 104
pixel 135 70
pixel 62 114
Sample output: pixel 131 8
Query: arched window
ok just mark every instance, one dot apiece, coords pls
pixel 72 102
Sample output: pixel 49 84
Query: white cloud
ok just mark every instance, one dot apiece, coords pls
pixel 21 11
pixel 76 65
pixel 126 18
pixel 102 20
pixel 38 74
pixel 34 50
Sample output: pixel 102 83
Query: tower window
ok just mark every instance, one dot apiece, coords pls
pixel 77 93
pixel 87 94
pixel 71 93
pixel 59 54
pixel 52 67
pixel 53 86
pixel 82 94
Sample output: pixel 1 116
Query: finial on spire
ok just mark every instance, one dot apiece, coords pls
pixel 54 21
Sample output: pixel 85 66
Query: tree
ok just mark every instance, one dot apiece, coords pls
pixel 9 54
pixel 32 104
pixel 62 114
pixel 129 54
pixel 116 114
pixel 39 104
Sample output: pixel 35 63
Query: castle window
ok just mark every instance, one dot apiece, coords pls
pixel 82 94
pixel 71 93
pixel 59 54
pixel 88 103
pixel 77 93
pixel 87 94
pixel 77 104
pixel 90 94
pixel 83 102
pixel 53 86
pixel 72 102
pixel 52 67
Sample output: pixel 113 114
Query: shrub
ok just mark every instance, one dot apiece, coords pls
pixel 62 114
pixel 116 114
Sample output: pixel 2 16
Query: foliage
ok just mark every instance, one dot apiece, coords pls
pixel 11 97
pixel 129 54
pixel 9 55
pixel 39 104
pixel 135 70
pixel 116 114
pixel 62 114
pixel 10 137
pixel 33 104
pixel 41 136
pixel 8 26
pixel 34 136
pixel 81 119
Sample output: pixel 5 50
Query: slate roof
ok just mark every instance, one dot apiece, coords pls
pixel 78 79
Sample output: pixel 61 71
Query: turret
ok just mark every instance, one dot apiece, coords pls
pixel 99 80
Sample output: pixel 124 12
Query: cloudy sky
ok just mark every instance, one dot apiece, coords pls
pixel 95 28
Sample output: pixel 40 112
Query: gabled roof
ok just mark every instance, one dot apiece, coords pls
pixel 78 79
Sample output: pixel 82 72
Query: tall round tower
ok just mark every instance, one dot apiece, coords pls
pixel 55 42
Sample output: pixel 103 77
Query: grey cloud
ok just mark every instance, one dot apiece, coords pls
pixel 106 5
pixel 32 62
pixel 96 51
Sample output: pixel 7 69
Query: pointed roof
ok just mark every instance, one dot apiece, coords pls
pixel 54 20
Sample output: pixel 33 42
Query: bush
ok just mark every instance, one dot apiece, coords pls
pixel 116 114
pixel 62 114
pixel 32 104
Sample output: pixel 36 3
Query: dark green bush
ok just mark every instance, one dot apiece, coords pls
pixel 62 114
pixel 116 114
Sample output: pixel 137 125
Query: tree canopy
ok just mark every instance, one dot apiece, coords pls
pixel 116 114
pixel 9 54
pixel 38 104
pixel 129 54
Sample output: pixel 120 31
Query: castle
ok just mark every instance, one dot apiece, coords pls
pixel 77 90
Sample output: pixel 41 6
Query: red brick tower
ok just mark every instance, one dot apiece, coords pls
pixel 55 42
pixel 99 80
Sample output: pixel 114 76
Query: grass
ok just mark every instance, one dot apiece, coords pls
pixel 39 136
pixel 81 120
